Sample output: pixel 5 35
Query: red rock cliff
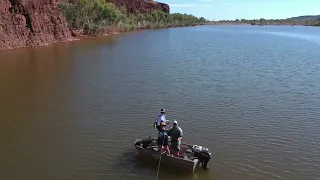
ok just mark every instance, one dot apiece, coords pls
pixel 143 6
pixel 27 23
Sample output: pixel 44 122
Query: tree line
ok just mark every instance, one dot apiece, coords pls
pixel 262 21
pixel 92 17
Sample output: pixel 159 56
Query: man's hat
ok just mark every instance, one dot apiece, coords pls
pixel 175 122
pixel 163 111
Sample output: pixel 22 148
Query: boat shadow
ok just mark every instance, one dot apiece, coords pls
pixel 130 162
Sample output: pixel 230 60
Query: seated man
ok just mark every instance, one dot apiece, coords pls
pixel 163 139
pixel 176 135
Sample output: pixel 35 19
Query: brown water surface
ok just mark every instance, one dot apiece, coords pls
pixel 250 94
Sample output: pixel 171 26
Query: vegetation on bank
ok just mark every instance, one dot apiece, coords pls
pixel 92 17
pixel 311 21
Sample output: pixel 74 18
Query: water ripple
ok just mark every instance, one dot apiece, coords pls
pixel 252 99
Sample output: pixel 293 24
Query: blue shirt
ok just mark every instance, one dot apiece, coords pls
pixel 161 118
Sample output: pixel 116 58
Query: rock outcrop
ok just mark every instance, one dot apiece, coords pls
pixel 142 6
pixel 28 23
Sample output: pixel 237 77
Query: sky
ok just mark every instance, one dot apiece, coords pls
pixel 245 9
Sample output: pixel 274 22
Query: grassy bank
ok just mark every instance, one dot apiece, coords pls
pixel 96 17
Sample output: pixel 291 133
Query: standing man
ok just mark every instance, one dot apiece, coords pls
pixel 162 140
pixel 176 135
pixel 161 118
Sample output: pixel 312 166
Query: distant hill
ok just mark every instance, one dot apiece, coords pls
pixel 304 18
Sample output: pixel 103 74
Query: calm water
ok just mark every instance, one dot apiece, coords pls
pixel 250 94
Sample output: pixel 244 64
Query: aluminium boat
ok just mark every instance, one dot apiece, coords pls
pixel 191 156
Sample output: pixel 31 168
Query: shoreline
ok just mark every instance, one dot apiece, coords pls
pixel 111 32
pixel 248 24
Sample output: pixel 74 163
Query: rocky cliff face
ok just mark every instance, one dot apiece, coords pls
pixel 143 6
pixel 27 23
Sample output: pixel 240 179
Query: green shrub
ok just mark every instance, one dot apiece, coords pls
pixel 94 16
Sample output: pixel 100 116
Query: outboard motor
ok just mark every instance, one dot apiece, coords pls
pixel 203 154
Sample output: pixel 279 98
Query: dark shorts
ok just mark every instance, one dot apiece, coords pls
pixel 175 145
pixel 158 128
pixel 163 141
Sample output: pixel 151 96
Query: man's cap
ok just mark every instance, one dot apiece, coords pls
pixel 163 111
pixel 175 122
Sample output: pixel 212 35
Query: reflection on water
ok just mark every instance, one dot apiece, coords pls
pixel 34 84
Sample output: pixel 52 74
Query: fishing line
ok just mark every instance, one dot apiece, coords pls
pixel 160 159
